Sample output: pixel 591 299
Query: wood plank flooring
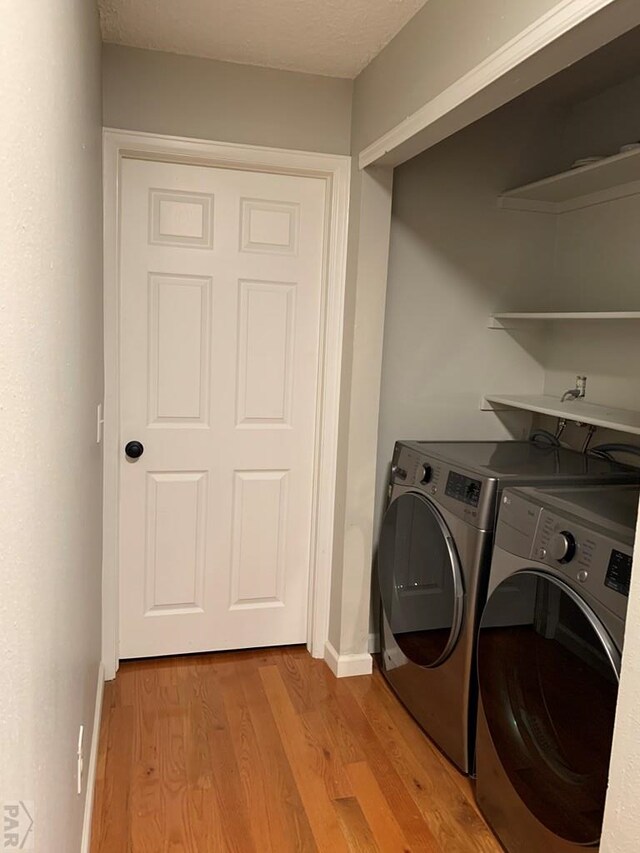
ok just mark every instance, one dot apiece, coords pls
pixel 267 751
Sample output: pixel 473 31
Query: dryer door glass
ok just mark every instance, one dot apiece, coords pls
pixel 548 675
pixel 420 580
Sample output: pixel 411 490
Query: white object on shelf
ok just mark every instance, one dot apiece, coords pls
pixel 585 161
pixel 605 180
pixel 506 320
pixel 622 420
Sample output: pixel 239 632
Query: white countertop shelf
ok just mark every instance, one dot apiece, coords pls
pixel 623 420
pixel 605 180
pixel 506 320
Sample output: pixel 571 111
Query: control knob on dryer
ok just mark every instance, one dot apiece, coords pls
pixel 562 546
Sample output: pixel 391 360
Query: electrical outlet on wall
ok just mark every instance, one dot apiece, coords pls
pixel 80 757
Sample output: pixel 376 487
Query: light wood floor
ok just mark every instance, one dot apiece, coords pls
pixel 267 751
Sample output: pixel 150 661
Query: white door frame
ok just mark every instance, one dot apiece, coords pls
pixel 334 170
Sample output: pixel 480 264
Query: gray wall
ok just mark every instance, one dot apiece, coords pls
pixel 440 44
pixel 607 120
pixel 455 258
pixel 445 40
pixel 596 263
pixel 51 380
pixel 185 96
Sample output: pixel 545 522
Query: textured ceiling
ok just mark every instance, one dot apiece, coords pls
pixel 336 38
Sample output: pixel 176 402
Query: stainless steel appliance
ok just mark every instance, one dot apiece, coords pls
pixel 433 563
pixel 549 649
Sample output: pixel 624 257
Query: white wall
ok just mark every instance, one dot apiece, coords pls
pixel 51 381
pixel 621 832
pixel 185 96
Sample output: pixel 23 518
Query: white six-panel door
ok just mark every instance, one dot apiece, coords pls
pixel 221 284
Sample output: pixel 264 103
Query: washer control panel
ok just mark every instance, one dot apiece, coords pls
pixel 599 564
pixel 562 546
pixel 585 554
pixel 618 575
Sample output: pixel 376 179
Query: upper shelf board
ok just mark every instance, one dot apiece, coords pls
pixel 605 180
pixel 578 411
pixel 507 320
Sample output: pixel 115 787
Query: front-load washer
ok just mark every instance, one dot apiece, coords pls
pixel 433 562
pixel 549 647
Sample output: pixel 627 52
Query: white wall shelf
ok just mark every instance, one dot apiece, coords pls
pixel 623 420
pixel 508 320
pixel 605 180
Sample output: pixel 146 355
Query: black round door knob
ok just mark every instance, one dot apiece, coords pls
pixel 134 449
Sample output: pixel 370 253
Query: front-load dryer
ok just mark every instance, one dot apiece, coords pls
pixel 549 649
pixel 433 563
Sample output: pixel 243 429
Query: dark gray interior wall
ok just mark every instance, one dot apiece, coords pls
pixel 604 122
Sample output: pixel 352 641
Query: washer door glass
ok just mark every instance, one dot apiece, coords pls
pixel 420 580
pixel 548 674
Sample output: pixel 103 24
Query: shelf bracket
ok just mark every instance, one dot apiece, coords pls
pixel 494 323
pixel 486 406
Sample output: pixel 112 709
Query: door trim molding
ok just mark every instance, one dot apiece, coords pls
pixel 334 170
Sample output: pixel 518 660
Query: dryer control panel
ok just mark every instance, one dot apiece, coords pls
pixel 409 468
pixel 469 498
pixel 463 488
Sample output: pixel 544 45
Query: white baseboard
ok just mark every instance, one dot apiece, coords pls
pixel 93 764
pixel 374 643
pixel 343 666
